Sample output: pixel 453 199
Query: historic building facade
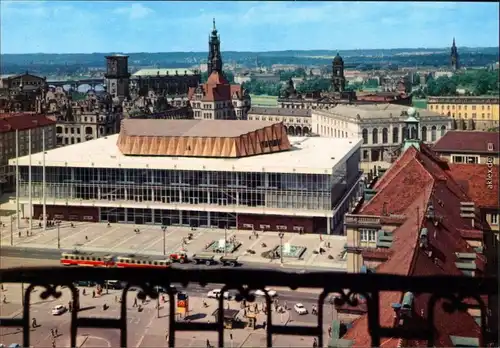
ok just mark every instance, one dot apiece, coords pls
pixel 22 93
pixel 468 113
pixel 297 121
pixel 217 99
pixel 96 116
pixel 172 83
pixel 17 132
pixel 117 77
pixel 381 126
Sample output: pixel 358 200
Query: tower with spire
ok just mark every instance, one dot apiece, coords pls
pixel 214 62
pixel 454 57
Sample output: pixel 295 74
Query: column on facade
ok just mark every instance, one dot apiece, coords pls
pixel 98 183
pixel 208 189
pixel 72 186
pixel 328 229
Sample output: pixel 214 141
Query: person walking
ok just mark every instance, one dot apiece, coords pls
pixel 135 302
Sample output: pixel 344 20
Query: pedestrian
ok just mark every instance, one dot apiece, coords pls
pixel 166 336
pixel 315 343
pixel 4 299
pixel 116 299
pixel 19 234
pixel 208 343
pixel 52 333
pixel 330 331
pixel 33 323
pixel 93 294
pixel 135 302
pixel 56 332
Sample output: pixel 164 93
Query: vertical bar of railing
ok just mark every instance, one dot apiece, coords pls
pixel 374 317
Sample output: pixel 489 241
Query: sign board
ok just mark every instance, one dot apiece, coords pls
pixel 182 303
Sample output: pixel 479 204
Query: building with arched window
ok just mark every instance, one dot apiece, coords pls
pixel 380 126
pixel 296 121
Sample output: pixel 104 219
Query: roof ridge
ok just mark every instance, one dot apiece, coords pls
pixel 393 175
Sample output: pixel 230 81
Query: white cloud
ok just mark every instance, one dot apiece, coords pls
pixel 134 11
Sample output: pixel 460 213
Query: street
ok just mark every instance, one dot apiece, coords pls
pixel 145 329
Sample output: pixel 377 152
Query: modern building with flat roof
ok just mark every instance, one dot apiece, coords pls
pixel 235 174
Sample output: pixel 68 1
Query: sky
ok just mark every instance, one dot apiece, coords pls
pixel 182 26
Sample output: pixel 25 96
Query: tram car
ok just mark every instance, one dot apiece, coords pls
pixel 134 261
pixel 87 259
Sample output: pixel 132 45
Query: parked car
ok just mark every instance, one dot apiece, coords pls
pixel 216 294
pixel 270 292
pixel 84 283
pixel 58 310
pixel 300 309
pixel 114 284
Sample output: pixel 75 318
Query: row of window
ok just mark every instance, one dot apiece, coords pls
pixel 395 134
pixel 465 159
pixel 459 107
pixel 279 119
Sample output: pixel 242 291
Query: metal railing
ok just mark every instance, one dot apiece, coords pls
pixel 454 292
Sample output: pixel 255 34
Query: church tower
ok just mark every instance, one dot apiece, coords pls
pixel 214 62
pixel 454 57
pixel 117 76
pixel 338 78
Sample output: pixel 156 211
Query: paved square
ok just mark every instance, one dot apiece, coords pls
pixel 122 239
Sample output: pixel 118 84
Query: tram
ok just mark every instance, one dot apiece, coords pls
pixel 90 259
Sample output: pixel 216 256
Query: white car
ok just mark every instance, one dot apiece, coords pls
pixel 216 294
pixel 300 309
pixel 58 310
pixel 270 292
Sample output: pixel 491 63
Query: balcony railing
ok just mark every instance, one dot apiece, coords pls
pixel 455 291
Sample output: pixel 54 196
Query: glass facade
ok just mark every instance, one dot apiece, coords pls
pixel 271 190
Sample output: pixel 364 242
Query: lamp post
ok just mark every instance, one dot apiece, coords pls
pixel 164 229
pixel 225 240
pixel 281 235
pixel 58 235
pixel 158 305
pixel 12 230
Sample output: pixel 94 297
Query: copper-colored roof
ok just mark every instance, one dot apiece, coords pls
pixel 417 178
pixel 190 128
pixel 201 138
pixel 468 141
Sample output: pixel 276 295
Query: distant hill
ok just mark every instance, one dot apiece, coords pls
pixel 369 58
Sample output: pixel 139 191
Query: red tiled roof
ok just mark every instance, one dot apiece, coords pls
pixel 414 180
pixel 23 122
pixel 473 178
pixel 217 88
pixel 467 141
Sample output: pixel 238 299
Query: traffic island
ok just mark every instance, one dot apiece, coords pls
pixel 289 251
pixel 218 246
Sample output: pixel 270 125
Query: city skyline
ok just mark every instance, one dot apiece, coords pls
pixel 86 27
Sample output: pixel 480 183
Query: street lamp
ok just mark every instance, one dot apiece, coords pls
pixel 281 235
pixel 225 240
pixel 164 229
pixel 58 235
pixel 12 230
